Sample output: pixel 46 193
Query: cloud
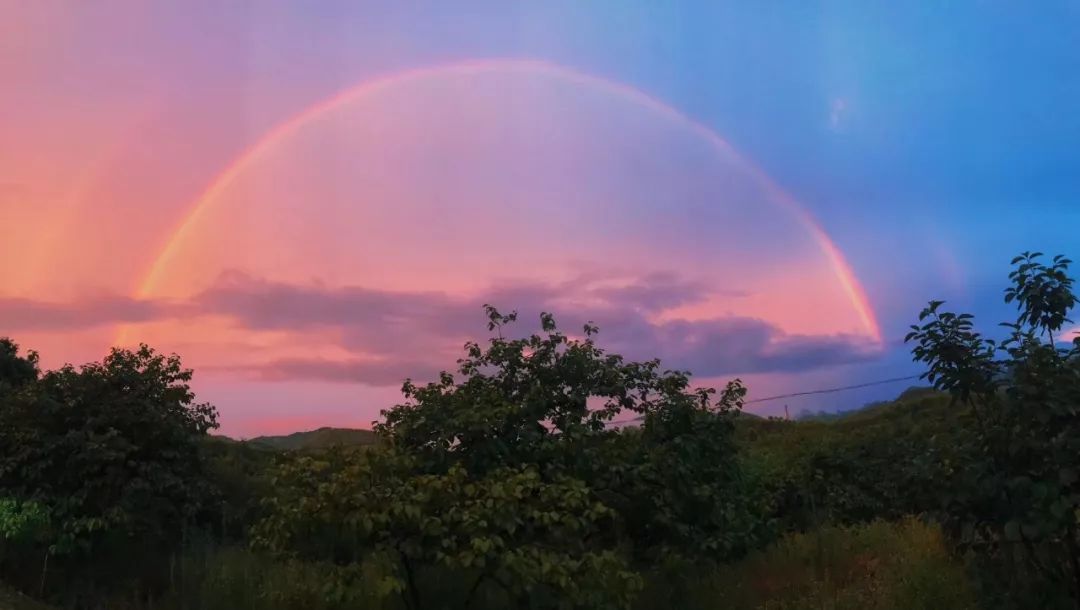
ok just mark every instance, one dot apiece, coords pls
pixel 733 345
pixel 262 304
pixel 707 348
pixel 660 291
pixel 1072 334
pixel 17 314
pixel 377 372
pixel 398 334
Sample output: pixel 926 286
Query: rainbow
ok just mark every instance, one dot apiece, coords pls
pixel 283 130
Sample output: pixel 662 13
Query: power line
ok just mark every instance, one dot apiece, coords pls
pixel 806 393
pixel 831 390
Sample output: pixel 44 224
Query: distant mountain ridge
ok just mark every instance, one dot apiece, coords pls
pixel 912 393
pixel 326 436
pixel 316 439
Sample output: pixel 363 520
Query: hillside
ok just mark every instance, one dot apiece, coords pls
pixel 351 437
pixel 316 439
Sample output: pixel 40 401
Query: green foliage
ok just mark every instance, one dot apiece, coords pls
pixel 16 371
pixel 21 521
pixel 679 487
pixel 1019 493
pixel 233 578
pixel 1043 294
pixel 881 462
pixel 544 401
pixel 239 474
pixel 904 565
pixel 504 484
pixel 525 537
pixel 109 451
pixel 511 476
pixel 881 565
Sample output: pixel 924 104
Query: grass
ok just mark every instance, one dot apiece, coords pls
pixel 12 600
pixel 238 579
pixel 878 566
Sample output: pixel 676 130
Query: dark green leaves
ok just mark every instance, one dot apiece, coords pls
pixel 959 360
pixel 1043 293
pixel 16 371
pixel 109 454
pixel 508 473
pixel 1021 487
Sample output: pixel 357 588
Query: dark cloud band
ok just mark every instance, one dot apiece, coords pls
pixel 413 334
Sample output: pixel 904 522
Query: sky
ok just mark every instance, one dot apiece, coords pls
pixel 310 202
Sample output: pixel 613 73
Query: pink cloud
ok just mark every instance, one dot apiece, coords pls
pixel 383 336
pixel 1072 334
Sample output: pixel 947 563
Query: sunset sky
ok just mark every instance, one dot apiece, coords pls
pixel 310 202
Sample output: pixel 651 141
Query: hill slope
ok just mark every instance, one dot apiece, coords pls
pixel 316 439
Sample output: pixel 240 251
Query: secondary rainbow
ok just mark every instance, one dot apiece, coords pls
pixel 283 130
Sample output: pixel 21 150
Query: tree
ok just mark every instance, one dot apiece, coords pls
pixel 510 474
pixel 1023 487
pixel 110 451
pixel 546 400
pixel 513 538
pixel 16 371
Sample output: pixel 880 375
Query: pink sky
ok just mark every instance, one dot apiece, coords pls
pixel 358 247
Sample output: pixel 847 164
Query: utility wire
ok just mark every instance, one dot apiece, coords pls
pixel 807 393
pixel 831 390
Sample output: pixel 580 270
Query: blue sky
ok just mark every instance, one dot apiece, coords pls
pixel 893 121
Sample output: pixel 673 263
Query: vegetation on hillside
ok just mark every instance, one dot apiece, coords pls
pixel 502 484
pixel 322 438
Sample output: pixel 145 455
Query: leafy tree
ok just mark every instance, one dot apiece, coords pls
pixel 110 451
pixel 546 401
pixel 1022 488
pixel 511 474
pixel 239 475
pixel 24 528
pixel 678 484
pixel 513 536
pixel 16 371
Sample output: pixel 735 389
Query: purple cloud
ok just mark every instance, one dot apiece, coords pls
pixel 378 372
pixel 415 334
pixel 27 314
pixel 660 291
pixel 261 304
